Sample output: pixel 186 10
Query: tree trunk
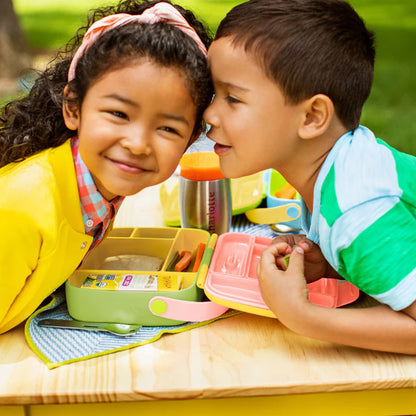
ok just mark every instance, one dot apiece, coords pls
pixel 14 56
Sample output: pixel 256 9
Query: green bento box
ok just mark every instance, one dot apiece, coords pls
pixel 132 306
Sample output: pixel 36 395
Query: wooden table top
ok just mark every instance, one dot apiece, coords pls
pixel 242 356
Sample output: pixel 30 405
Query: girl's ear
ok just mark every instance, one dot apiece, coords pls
pixel 317 116
pixel 70 110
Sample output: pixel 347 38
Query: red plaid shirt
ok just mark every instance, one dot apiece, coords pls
pixel 97 212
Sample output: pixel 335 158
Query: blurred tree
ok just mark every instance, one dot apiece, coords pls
pixel 14 55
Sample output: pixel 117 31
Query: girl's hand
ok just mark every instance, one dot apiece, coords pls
pixel 315 265
pixel 284 291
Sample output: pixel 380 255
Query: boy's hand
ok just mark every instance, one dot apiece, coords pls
pixel 284 292
pixel 315 265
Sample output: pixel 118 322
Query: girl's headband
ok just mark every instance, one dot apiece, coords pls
pixel 160 12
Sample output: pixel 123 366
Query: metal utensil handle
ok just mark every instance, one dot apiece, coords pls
pixel 82 325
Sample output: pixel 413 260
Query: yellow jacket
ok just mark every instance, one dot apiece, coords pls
pixel 43 238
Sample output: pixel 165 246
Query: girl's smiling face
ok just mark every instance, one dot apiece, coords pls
pixel 133 126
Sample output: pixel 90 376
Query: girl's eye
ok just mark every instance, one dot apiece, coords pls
pixel 232 100
pixel 170 130
pixel 118 114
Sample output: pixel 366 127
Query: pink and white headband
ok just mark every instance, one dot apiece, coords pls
pixel 160 12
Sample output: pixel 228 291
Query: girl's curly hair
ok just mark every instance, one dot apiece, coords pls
pixel 35 122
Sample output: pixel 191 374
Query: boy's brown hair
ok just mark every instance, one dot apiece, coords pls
pixel 308 47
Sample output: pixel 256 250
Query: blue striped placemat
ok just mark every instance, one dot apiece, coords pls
pixel 57 346
pixel 63 346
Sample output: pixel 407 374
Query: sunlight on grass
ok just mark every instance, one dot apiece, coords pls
pixel 387 13
pixel 50 23
pixel 391 111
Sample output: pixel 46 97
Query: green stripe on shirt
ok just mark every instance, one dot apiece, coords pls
pixel 330 209
pixel 404 164
pixel 377 260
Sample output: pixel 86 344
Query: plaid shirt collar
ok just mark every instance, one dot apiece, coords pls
pixel 97 212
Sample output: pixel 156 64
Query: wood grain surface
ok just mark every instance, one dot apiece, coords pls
pixel 242 356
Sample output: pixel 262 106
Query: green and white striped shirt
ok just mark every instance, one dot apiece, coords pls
pixel 364 217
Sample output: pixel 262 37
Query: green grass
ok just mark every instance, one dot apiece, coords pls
pixel 49 24
pixel 391 109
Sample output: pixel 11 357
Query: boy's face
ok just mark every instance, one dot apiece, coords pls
pixel 252 125
pixel 134 125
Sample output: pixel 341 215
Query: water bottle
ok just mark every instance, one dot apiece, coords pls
pixel 204 193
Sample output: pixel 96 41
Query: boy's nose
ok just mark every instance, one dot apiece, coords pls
pixel 210 115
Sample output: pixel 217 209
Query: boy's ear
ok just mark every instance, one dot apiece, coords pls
pixel 70 110
pixel 317 115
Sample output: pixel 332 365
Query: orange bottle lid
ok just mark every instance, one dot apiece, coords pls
pixel 201 166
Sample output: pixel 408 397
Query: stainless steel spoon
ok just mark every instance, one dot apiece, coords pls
pixel 121 330
pixel 283 229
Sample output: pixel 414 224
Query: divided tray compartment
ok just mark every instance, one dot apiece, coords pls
pixel 111 247
pixel 234 282
pixel 131 307
pixel 232 273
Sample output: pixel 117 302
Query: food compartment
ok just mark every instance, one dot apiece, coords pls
pixel 186 244
pixel 121 232
pixel 155 232
pixel 231 254
pixel 131 254
pixel 260 244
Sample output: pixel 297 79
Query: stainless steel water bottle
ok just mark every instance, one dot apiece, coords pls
pixel 204 193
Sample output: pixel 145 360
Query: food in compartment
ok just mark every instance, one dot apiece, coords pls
pixel 198 256
pixel 137 262
pixel 286 192
pixel 184 261
pixel 133 282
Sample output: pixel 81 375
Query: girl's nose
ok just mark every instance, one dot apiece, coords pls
pixel 138 143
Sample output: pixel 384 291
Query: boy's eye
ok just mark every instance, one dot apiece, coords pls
pixel 232 100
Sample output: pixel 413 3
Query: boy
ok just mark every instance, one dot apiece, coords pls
pixel 290 78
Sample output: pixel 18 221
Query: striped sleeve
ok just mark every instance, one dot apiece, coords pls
pixel 368 220
pixel 381 260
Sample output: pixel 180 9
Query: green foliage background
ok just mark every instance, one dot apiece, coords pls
pixel 391 109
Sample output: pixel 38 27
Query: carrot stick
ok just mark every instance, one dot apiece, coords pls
pixel 183 263
pixel 198 256
pixel 286 192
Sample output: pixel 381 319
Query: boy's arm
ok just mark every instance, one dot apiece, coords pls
pixel 378 328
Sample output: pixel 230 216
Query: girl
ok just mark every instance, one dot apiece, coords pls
pixel 99 124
